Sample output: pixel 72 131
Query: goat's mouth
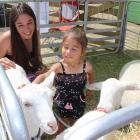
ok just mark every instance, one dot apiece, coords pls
pixel 49 129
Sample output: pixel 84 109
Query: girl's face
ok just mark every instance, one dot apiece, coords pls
pixel 71 50
pixel 25 26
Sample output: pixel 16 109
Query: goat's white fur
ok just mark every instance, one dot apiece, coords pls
pixel 36 101
pixel 110 98
pixel 130 72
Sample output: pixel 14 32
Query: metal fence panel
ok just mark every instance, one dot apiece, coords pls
pixel 103 21
pixel 132 38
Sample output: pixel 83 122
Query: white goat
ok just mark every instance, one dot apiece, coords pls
pixel 36 101
pixel 110 98
pixel 130 73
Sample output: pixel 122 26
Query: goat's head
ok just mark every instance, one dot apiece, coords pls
pixel 37 101
pixel 17 76
pixel 111 92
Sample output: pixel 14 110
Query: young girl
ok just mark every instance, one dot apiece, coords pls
pixel 72 74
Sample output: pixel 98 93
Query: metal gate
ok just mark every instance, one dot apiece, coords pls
pixel 103 21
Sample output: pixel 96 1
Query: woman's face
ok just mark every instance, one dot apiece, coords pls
pixel 25 26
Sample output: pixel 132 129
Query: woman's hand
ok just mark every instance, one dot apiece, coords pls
pixel 7 63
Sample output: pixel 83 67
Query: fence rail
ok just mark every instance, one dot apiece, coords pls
pixel 13 126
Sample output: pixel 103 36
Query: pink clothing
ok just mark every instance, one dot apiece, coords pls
pixel 75 3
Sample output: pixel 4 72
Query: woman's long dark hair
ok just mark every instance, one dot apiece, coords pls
pixel 30 62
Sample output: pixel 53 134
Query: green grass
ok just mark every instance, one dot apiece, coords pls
pixel 106 66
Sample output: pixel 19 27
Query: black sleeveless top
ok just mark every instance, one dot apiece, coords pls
pixel 69 98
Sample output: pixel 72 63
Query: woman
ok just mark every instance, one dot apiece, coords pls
pixel 21 43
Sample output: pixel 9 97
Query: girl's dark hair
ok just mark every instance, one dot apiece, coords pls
pixel 78 34
pixel 20 55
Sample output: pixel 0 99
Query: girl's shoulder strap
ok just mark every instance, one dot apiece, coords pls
pixel 62 67
pixel 84 66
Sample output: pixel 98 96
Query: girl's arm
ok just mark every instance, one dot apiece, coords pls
pixel 90 78
pixel 40 78
pixel 55 68
pixel 90 73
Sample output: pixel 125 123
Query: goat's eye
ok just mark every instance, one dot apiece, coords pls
pixel 27 104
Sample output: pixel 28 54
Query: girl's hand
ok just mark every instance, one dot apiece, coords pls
pixel 21 86
pixel 7 63
pixel 88 94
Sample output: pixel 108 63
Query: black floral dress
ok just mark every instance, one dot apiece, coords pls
pixel 69 99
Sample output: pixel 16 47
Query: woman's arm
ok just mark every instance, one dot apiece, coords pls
pixel 4 43
pixel 4 50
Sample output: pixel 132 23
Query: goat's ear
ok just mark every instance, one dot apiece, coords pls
pixel 95 86
pixel 49 80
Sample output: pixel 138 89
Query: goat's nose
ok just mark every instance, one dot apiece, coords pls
pixel 53 125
